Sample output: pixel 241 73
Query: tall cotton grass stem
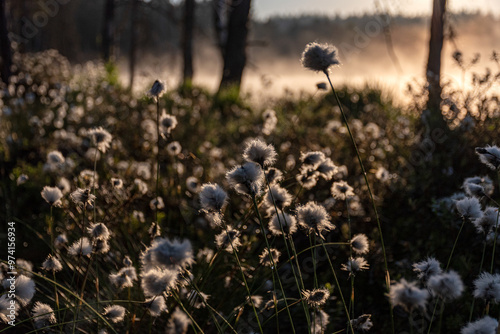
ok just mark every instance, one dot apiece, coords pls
pixel 244 279
pixel 274 267
pixel 447 266
pixel 93 181
pixel 388 277
pixel 496 233
pixel 157 155
pixel 82 292
pixel 338 286
pixel 299 288
pixel 314 254
pixel 351 302
pixel 480 270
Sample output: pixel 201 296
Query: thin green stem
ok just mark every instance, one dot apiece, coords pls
pixel 194 324
pixel 455 244
pixel 264 233
pixel 388 280
pixel 494 244
pixel 338 286
pixel 157 156
pixel 480 270
pixel 243 277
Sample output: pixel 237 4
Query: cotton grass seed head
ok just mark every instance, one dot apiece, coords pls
pixel 321 320
pixel 83 197
pixel 156 306
pixel 327 169
pixel 469 207
pixel 354 265
pixel 212 197
pixel 279 197
pixel 158 89
pixel 490 156
pixel 316 298
pixel 319 57
pixel 43 315
pixel 124 278
pixel 408 295
pixel 115 313
pixel 116 183
pixel 283 221
pixel 486 325
pixel 274 175
pixel 488 221
pixel 360 244
pixel 427 268
pixel 307 177
pixel 362 323
pixel 60 241
pixel 174 148
pixel 266 256
pixel 314 218
pixel 25 289
pixel 260 153
pixel 487 287
pixel 247 179
pixel 228 240
pixel 342 191
pixel 80 247
pixel 447 286
pixel 52 264
pixel 55 157
pixel 173 254
pixel 167 124
pixel 178 323
pixel 7 308
pixel 483 181
pixel 101 138
pixel 52 195
pixel 98 231
pixel 155 281
pixel 312 159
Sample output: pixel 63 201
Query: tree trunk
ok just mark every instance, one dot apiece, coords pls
pixel 434 60
pixel 133 40
pixel 233 42
pixel 6 51
pixel 187 41
pixel 108 29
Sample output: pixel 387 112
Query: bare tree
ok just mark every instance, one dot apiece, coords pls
pixel 187 40
pixel 231 24
pixel 6 51
pixel 108 28
pixel 434 60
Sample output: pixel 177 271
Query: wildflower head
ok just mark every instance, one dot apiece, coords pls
pixel 266 256
pixel 101 246
pixel 490 156
pixel 316 297
pixel 314 218
pixel 488 221
pixel 486 325
pixel 80 247
pixel 228 240
pixel 52 195
pixel 469 207
pixel 274 175
pixel 484 181
pixel 60 241
pixel 116 183
pixel 408 295
pixel 83 197
pixel 178 323
pixel 321 321
pixel 174 148
pixel 155 281
pixel 98 231
pixel 167 124
pixel 101 138
pixel 308 177
pixel 447 286
pixel 283 221
pixel 124 278
pixel 55 157
pixel 362 323
pixel 487 287
pixel 7 308
pixel 260 153
pixel 427 268
pixel 212 198
pixel 158 89
pixel 246 179
pixel 115 313
pixel 52 264
pixel 278 197
pixel 342 191
pixel 312 159
pixel 25 289
pixel 43 315
pixel 327 169
pixel 157 203
pixel 166 253
pixel 319 57
pixel 359 244
pixel 354 265
pixel 156 305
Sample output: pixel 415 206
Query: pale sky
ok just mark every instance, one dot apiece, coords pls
pixel 265 8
